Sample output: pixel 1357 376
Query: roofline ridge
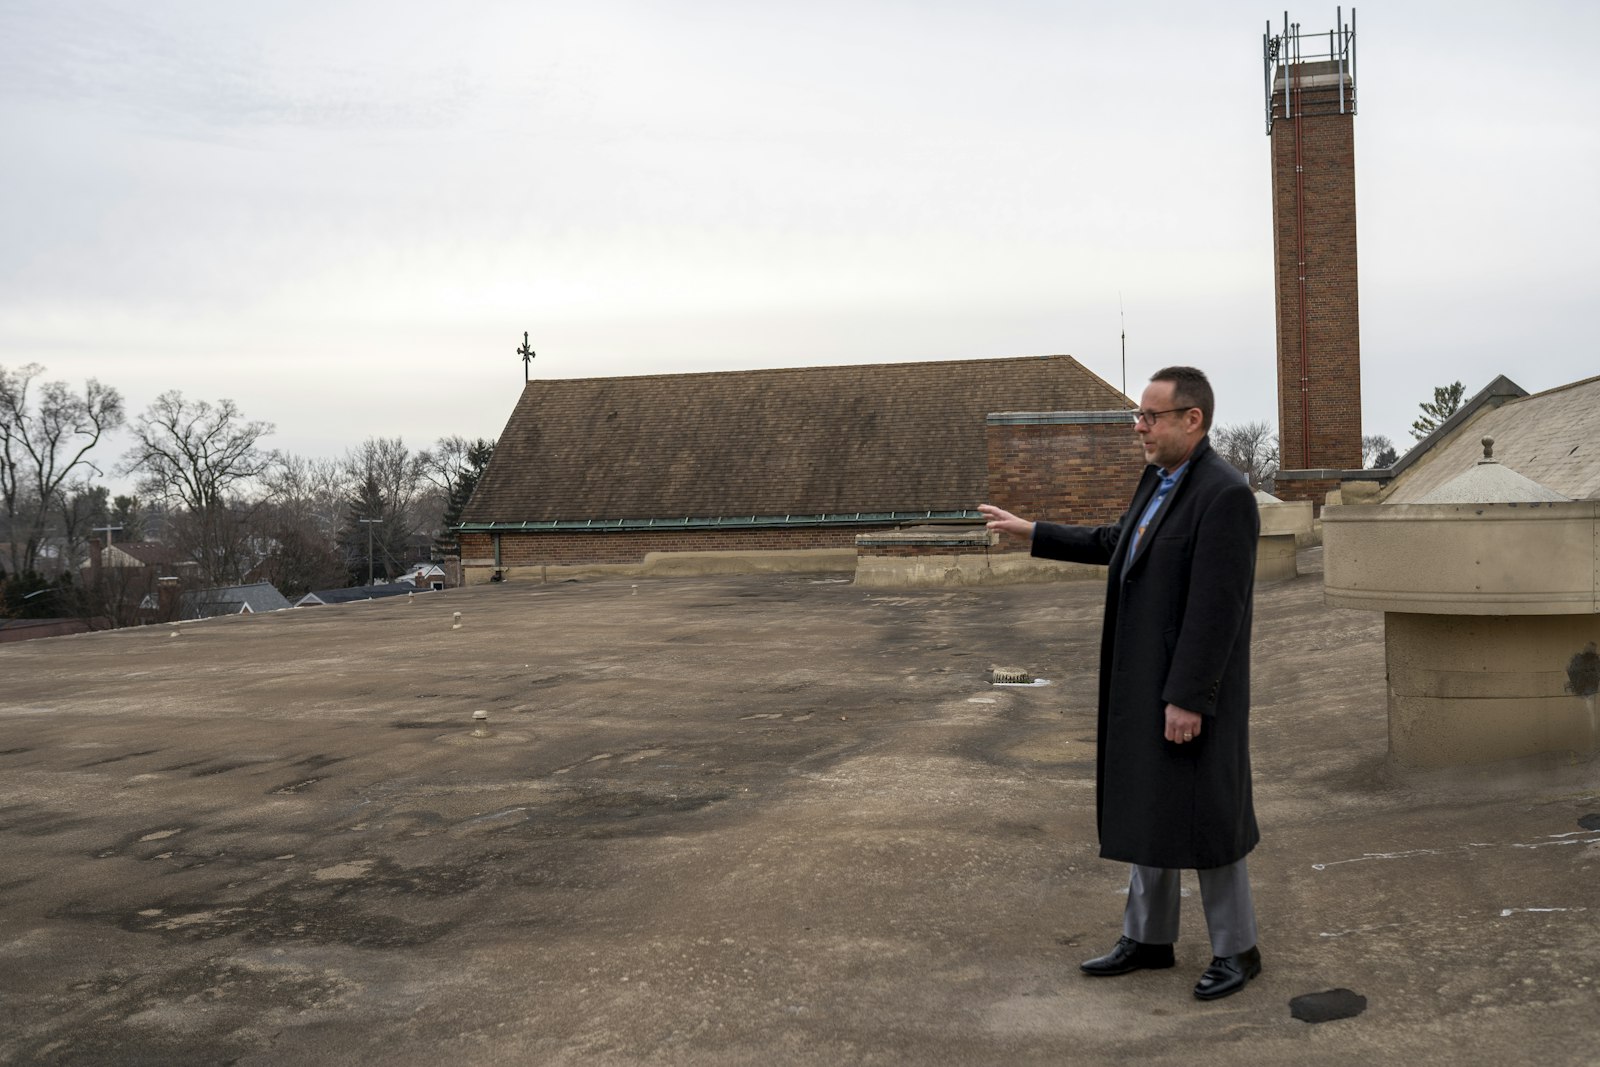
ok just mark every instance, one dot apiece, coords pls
pixel 830 366
pixel 1558 388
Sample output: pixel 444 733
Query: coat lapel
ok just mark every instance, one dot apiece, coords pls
pixel 1200 451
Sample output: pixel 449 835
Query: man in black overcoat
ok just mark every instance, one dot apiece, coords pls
pixel 1172 766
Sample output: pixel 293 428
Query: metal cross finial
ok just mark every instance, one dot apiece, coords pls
pixel 527 355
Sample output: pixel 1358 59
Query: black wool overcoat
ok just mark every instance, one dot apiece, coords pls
pixel 1177 630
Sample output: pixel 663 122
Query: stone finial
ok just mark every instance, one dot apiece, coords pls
pixel 1488 448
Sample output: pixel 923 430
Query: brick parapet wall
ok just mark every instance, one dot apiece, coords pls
pixel 1331 437
pixel 1315 490
pixel 1082 471
pixel 527 548
pixel 1077 467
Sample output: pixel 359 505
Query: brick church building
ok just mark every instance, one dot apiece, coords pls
pixel 783 469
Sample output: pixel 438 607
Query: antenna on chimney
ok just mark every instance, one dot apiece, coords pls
pixel 1124 317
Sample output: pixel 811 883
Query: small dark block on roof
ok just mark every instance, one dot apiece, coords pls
pixel 1327 1006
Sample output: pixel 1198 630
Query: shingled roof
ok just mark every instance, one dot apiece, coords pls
pixel 811 440
pixel 1552 437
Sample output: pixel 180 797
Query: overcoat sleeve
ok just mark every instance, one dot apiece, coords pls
pixel 1221 581
pixel 1076 544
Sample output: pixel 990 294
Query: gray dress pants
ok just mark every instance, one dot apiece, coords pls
pixel 1151 917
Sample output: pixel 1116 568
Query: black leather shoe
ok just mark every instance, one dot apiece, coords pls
pixel 1228 974
pixel 1129 955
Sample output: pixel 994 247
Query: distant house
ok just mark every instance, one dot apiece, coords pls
pixel 355 593
pixel 231 600
pixel 426 576
pixel 777 469
pixel 132 575
pixel 162 559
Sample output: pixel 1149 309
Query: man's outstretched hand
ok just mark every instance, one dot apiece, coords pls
pixel 1005 522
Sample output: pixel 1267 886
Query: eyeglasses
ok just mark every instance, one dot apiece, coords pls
pixel 1149 417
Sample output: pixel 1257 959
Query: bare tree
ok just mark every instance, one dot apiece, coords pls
pixel 478 455
pixel 42 442
pixel 441 464
pixel 307 500
pixel 314 490
pixel 1377 451
pixel 203 458
pixel 1250 446
pixel 81 508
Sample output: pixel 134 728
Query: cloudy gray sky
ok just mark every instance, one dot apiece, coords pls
pixel 343 215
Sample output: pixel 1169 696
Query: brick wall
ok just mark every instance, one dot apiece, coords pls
pixel 532 549
pixel 1326 208
pixel 1315 490
pixel 1078 467
pixel 914 551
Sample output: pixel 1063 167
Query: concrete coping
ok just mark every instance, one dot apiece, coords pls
pixel 933 536
pixel 1527 558
pixel 1313 81
pixel 1059 418
pixel 1284 517
pixel 1335 474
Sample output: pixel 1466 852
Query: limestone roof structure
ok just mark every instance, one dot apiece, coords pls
pixel 1552 438
pixel 806 440
pixel 1490 482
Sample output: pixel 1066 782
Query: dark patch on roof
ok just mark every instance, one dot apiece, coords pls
pixel 809 440
pixel 1327 1006
pixel 1583 672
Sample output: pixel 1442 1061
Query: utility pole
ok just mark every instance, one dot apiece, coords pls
pixel 527 355
pixel 369 523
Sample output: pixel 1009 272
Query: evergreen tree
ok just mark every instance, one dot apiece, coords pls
pixel 1446 400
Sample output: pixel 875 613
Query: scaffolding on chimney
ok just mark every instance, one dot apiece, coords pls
pixel 1301 70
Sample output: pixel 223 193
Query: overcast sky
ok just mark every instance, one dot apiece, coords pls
pixel 343 215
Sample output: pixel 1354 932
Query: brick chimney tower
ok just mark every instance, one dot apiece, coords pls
pixel 1311 106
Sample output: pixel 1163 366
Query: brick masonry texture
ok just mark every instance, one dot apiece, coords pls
pixel 913 551
pixel 1332 325
pixel 1078 472
pixel 1315 490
